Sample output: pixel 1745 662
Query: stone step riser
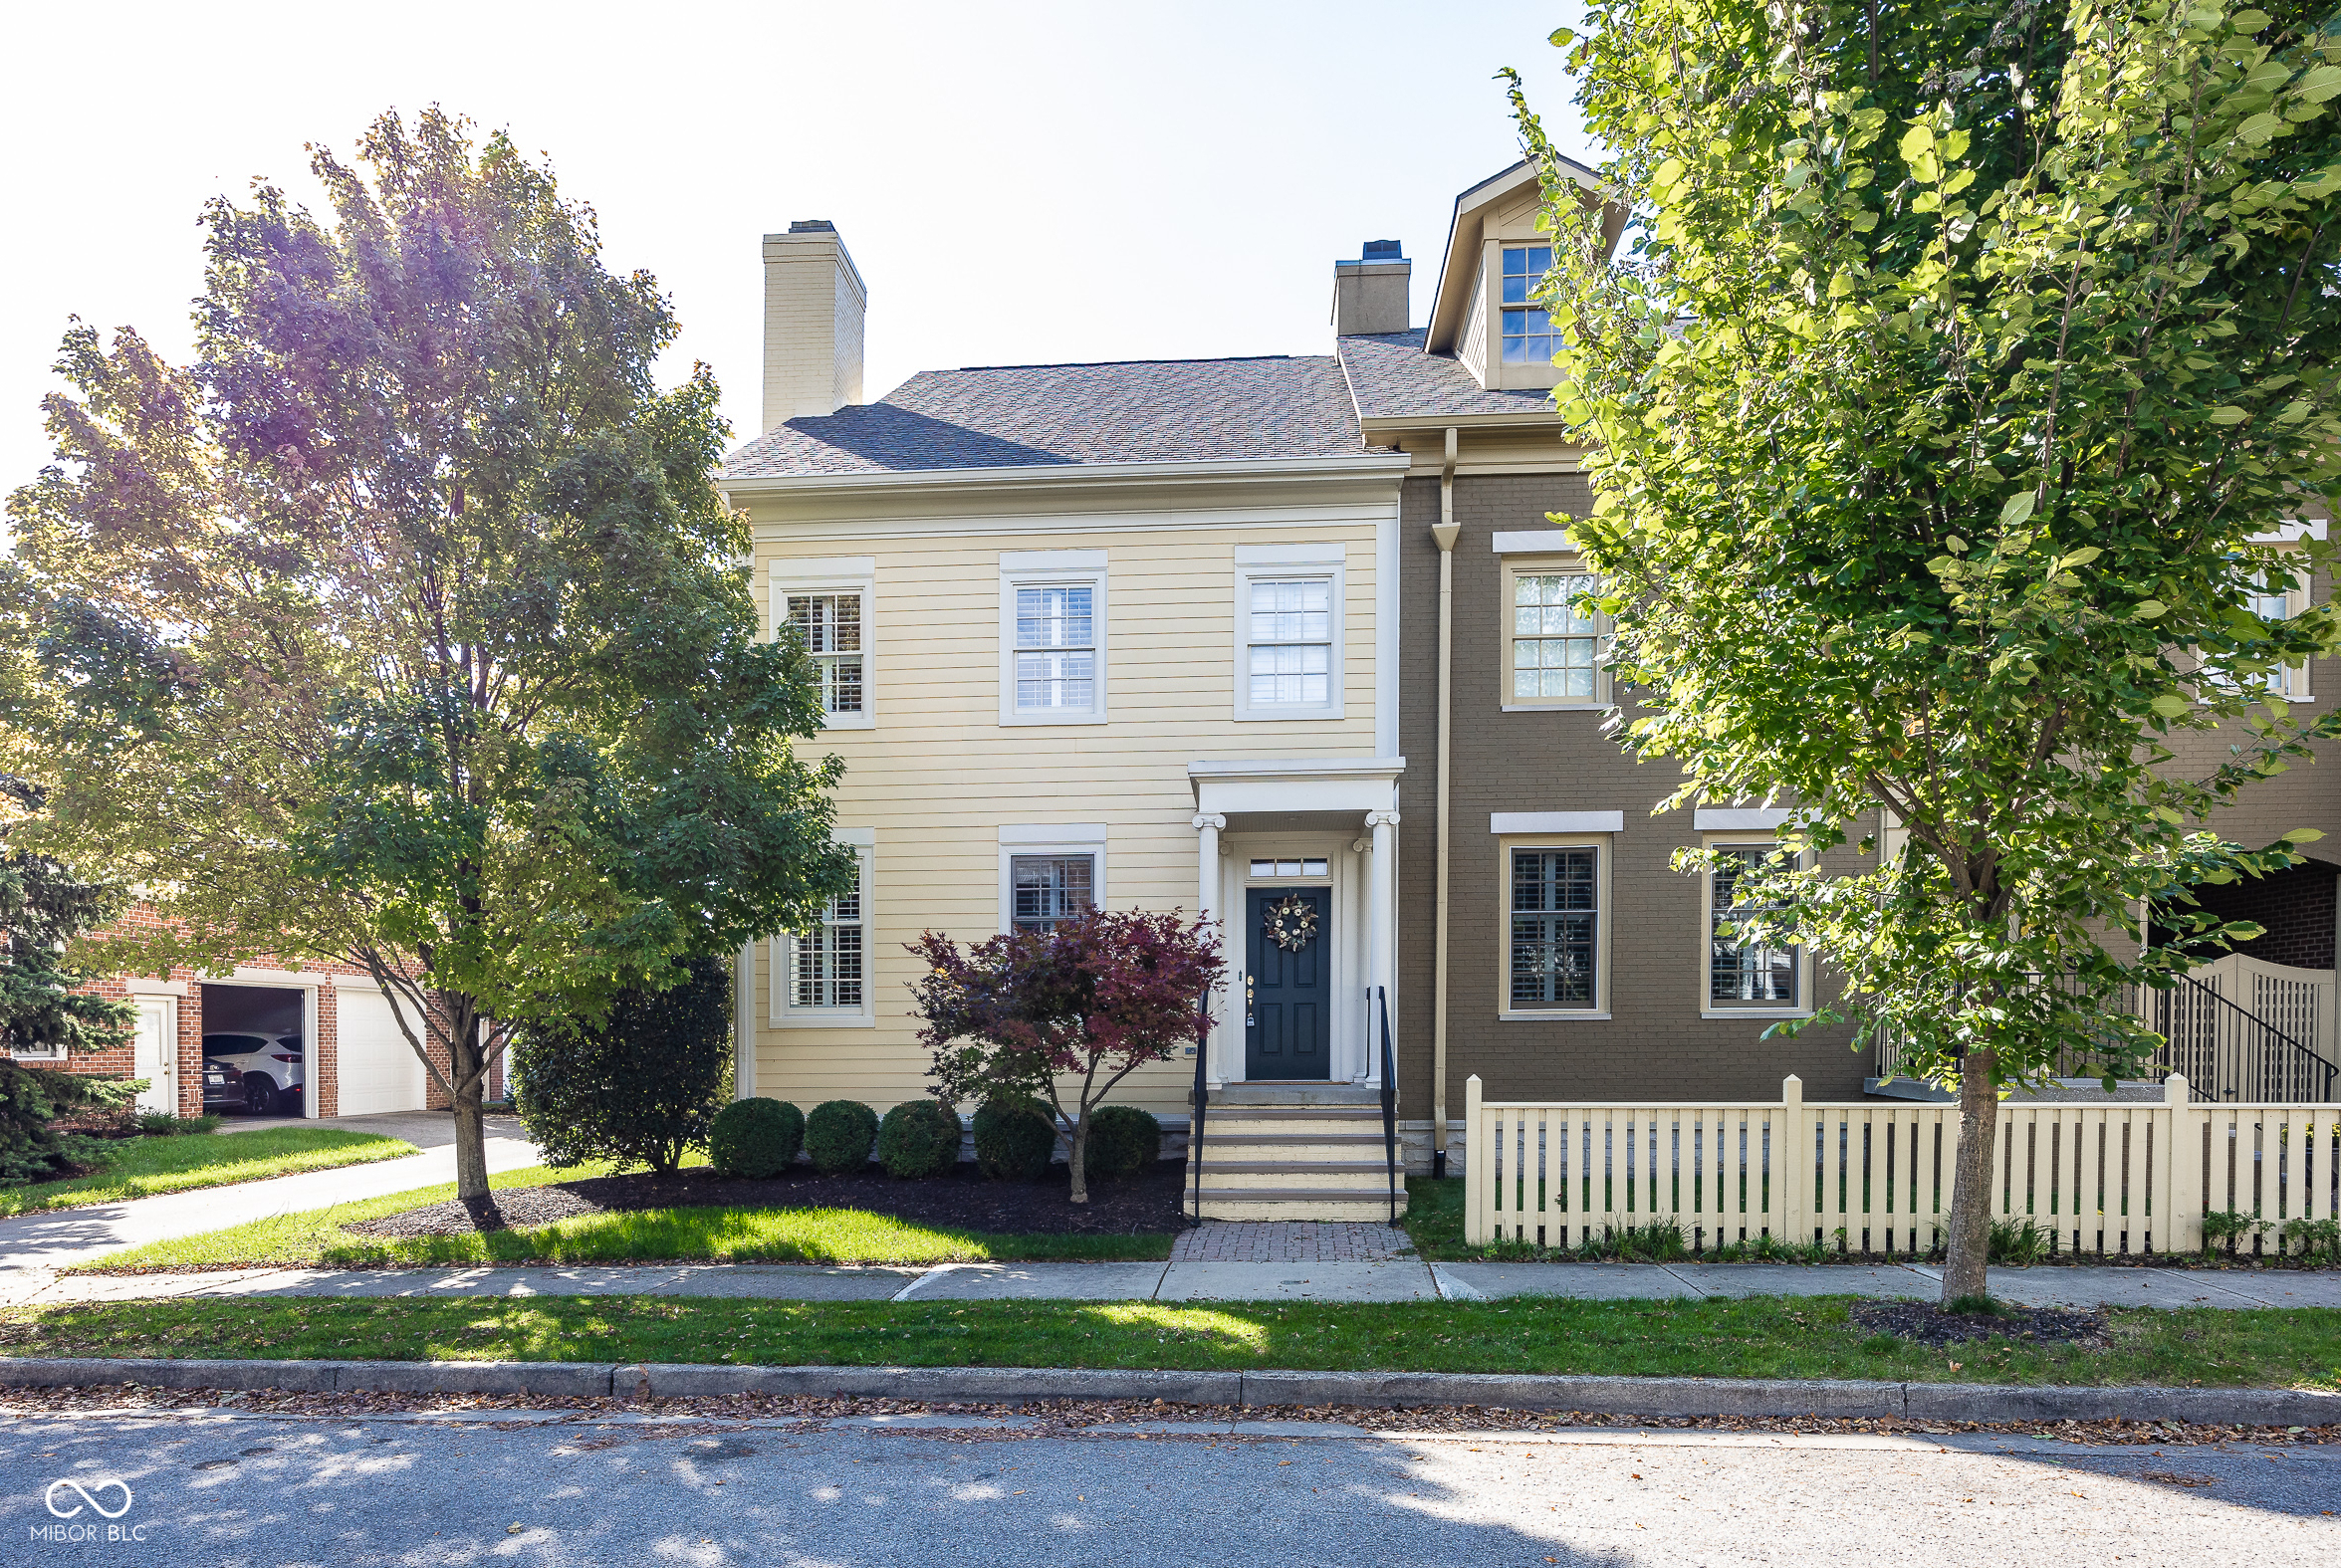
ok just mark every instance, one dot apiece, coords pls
pixel 1297 1132
pixel 1290 1180
pixel 1314 1209
pixel 1278 1152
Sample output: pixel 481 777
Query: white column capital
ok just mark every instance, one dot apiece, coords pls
pixel 1381 819
pixel 1214 821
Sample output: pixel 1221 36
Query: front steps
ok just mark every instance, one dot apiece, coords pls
pixel 1266 1157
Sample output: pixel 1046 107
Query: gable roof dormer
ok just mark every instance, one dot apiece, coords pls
pixel 1496 216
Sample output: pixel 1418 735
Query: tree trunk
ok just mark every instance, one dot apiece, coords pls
pixel 1969 1244
pixel 1079 1145
pixel 471 1130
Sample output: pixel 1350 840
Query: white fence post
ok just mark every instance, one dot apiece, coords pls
pixel 1478 1167
pixel 1791 1164
pixel 2182 1169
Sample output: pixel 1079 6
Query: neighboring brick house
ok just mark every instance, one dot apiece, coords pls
pixel 355 1058
pixel 1166 635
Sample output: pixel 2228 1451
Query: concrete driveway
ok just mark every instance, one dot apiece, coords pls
pixel 423 1129
pixel 31 1246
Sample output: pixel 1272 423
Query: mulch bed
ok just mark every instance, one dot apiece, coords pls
pixel 1145 1204
pixel 1929 1325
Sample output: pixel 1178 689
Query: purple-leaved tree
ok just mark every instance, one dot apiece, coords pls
pixel 1063 1016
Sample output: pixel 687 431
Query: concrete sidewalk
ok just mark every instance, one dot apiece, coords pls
pixel 1396 1279
pixel 32 1245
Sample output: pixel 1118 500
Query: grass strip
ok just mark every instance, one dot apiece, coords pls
pixel 319 1237
pixel 1760 1338
pixel 152 1165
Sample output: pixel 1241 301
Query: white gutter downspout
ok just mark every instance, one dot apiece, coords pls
pixel 1444 532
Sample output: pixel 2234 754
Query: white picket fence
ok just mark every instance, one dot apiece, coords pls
pixel 1875 1176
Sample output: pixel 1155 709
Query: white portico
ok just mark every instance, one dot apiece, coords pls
pixel 1301 833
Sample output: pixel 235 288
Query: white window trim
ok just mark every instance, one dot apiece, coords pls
pixel 1744 839
pixel 833 575
pixel 786 1015
pixel 1050 838
pixel 1510 568
pixel 1033 569
pixel 1269 563
pixel 1603 845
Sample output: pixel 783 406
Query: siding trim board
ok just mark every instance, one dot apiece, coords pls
pixel 1733 820
pixel 1502 822
pixel 1536 541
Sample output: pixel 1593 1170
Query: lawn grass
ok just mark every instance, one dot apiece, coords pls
pixel 149 1166
pixel 318 1238
pixel 1761 1337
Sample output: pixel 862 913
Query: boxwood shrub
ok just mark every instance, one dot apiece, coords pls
pixel 919 1138
pixel 839 1134
pixel 1014 1140
pixel 756 1138
pixel 1123 1141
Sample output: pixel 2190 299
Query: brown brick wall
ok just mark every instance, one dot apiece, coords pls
pixel 1656 1045
pixel 2295 906
pixel 324 1056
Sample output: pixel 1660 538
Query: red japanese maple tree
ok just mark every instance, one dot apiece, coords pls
pixel 1064 1014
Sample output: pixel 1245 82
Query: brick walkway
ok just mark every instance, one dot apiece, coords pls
pixel 1289 1242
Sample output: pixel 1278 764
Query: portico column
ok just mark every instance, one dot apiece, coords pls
pixel 1382 930
pixel 1207 831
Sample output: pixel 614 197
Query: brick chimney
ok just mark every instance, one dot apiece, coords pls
pixel 1371 294
pixel 813 304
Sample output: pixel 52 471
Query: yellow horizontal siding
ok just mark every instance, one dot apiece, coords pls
pixel 939 774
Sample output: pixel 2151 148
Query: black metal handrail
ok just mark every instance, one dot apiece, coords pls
pixel 2232 1053
pixel 1195 1115
pixel 2226 1051
pixel 1389 1102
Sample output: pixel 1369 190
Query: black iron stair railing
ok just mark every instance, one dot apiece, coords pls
pixel 1195 1112
pixel 1389 1102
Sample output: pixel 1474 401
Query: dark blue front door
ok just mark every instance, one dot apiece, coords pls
pixel 1288 1000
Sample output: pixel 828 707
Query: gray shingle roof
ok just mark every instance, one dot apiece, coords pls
pixel 1011 416
pixel 1392 378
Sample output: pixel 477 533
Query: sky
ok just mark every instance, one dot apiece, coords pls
pixel 1018 183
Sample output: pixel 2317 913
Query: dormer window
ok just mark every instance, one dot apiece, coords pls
pixel 1528 330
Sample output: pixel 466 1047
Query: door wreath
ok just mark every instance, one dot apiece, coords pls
pixel 1291 922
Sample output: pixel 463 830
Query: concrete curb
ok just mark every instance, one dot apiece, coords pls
pixel 1014 1385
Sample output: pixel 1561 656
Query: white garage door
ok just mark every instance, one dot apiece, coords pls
pixel 378 1069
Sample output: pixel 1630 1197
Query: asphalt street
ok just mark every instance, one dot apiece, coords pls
pixel 254 1490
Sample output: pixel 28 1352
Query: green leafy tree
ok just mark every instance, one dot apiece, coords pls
pixel 1941 414
pixel 405 627
pixel 44 1004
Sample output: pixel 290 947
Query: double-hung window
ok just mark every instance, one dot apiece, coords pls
pixel 827 604
pixel 2280 596
pixel 831 624
pixel 821 974
pixel 1288 631
pixel 1556 642
pixel 1528 330
pixel 1050 873
pixel 1742 974
pixel 1056 649
pixel 1047 890
pixel 828 956
pixel 1557 638
pixel 1052 636
pixel 1555 938
pixel 1292 643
